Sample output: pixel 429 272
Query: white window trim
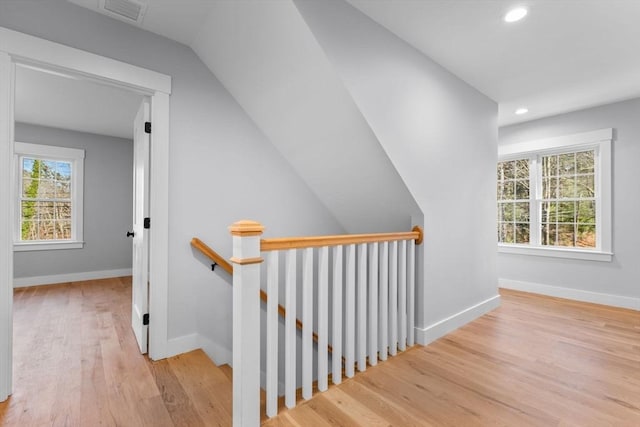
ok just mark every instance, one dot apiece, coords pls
pixel 50 152
pixel 599 140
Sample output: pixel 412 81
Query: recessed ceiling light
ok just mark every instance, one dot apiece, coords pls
pixel 522 110
pixel 515 14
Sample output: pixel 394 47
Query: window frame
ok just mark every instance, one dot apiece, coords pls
pixel 600 141
pixel 74 156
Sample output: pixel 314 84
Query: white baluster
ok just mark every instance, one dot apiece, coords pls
pixel 402 296
pixel 362 307
pixel 393 299
pixel 336 324
pixel 290 330
pixel 411 292
pixel 246 322
pixel 323 316
pixel 373 305
pixel 272 334
pixel 307 323
pixel 383 312
pixel 350 312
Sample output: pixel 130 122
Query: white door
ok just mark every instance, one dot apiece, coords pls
pixel 140 234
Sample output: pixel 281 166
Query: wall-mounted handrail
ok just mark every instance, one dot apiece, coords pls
pixel 283 243
pixel 228 267
pixel 212 255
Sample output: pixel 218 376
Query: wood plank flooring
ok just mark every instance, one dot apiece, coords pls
pixel 76 363
pixel 535 361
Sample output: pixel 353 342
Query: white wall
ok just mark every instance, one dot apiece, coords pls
pixel 222 168
pixel 616 282
pixel 107 208
pixel 441 135
pixel 265 55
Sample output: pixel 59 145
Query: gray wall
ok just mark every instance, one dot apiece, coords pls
pixel 108 166
pixel 621 276
pixel 441 135
pixel 222 168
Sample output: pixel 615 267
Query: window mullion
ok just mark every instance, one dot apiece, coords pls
pixel 535 181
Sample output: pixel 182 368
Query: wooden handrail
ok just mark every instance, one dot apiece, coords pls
pixel 228 267
pixel 282 243
pixel 213 255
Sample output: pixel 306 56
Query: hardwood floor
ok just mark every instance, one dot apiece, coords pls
pixel 76 363
pixel 535 361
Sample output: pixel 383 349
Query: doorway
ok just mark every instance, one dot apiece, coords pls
pixel 17 49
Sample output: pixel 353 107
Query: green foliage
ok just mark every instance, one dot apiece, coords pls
pixel 31 192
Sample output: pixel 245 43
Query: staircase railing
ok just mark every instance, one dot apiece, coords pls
pixel 373 273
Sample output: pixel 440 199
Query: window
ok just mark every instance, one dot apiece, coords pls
pixel 554 197
pixel 49 197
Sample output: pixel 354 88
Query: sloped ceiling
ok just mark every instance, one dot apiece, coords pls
pixel 267 57
pixel 565 55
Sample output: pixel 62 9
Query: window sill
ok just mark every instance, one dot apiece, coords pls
pixel 46 246
pixel 584 254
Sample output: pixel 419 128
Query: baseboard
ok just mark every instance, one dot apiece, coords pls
pixel 23 282
pixel 573 294
pixel 219 354
pixel 441 328
pixel 183 344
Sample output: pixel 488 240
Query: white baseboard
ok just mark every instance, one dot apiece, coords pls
pixel 219 354
pixel 573 294
pixel 441 328
pixel 183 344
pixel 23 282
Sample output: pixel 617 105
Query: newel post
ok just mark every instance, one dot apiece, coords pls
pixel 246 322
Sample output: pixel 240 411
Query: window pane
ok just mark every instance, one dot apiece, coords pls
pixel 522 189
pixel 63 211
pixel 63 190
pixel 63 230
pixel 45 211
pixel 549 166
pixel 506 210
pixel 566 187
pixel 566 212
pixel 549 211
pixel 506 190
pixel 46 230
pixel 46 189
pixel 566 234
pixel 585 162
pixel 550 188
pixel 567 163
pixel 586 212
pixel 29 230
pixel 548 235
pixel 506 170
pixel 521 212
pixel 522 169
pixel 63 171
pixel 522 233
pixel 507 233
pixel 585 186
pixel 586 236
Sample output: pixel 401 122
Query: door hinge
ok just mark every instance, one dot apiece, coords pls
pixel 145 319
pixel 147 127
pixel 147 223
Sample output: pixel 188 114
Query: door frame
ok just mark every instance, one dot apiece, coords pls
pixel 20 48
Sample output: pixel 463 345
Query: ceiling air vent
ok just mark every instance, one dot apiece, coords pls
pixel 126 10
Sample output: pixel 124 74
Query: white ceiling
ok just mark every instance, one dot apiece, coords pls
pixel 54 100
pixel 565 55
